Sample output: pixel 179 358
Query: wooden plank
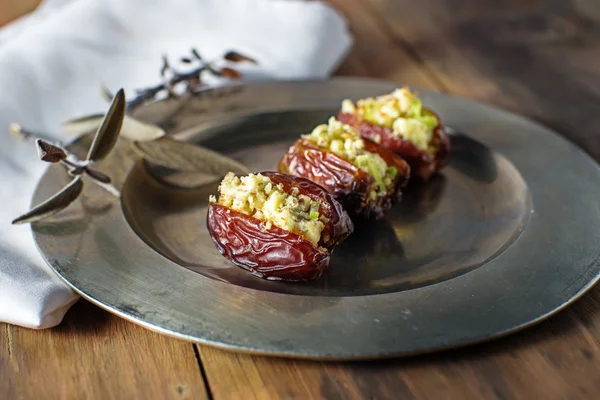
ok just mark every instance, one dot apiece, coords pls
pixel 96 355
pixel 373 54
pixel 511 55
pixel 13 9
pixel 8 366
pixel 557 359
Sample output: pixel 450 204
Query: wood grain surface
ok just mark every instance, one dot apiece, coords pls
pixel 94 354
pixel 13 9
pixel 537 58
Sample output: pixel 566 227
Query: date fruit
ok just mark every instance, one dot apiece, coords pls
pixel 277 226
pixel 399 122
pixel 364 177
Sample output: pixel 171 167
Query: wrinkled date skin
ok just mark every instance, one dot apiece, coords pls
pixel 349 184
pixel 274 253
pixel 422 163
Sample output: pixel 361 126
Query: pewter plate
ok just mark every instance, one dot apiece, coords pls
pixel 507 235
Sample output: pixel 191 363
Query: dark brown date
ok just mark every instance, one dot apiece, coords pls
pixel 349 184
pixel 274 253
pixel 422 163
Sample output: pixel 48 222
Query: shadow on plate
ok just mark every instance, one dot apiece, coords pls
pixel 472 158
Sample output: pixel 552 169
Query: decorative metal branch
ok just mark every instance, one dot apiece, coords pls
pixel 26 134
pixel 191 80
pixel 104 141
pixel 149 141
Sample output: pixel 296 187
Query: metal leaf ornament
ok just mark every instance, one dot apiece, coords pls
pixel 104 141
pixel 49 152
pixel 132 128
pixel 53 205
pixel 234 56
pixel 184 157
pixel 108 133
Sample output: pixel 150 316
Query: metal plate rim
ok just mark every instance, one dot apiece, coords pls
pixel 236 349
pixel 41 237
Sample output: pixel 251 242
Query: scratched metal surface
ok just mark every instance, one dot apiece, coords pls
pixel 506 236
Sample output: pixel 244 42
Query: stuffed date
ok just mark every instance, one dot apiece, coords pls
pixel 276 226
pixel 363 176
pixel 399 122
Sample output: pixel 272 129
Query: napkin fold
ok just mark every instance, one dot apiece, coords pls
pixel 52 60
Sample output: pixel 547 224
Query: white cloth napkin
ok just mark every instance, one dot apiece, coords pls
pixel 52 61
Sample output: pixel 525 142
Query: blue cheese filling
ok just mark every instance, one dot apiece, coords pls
pixel 256 195
pixel 402 112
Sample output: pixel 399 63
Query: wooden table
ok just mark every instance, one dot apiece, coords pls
pixel 536 58
pixel 12 9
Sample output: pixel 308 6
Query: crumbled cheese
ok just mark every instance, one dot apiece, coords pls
pixel 348 107
pixel 414 131
pixel 256 195
pixel 401 111
pixel 344 141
